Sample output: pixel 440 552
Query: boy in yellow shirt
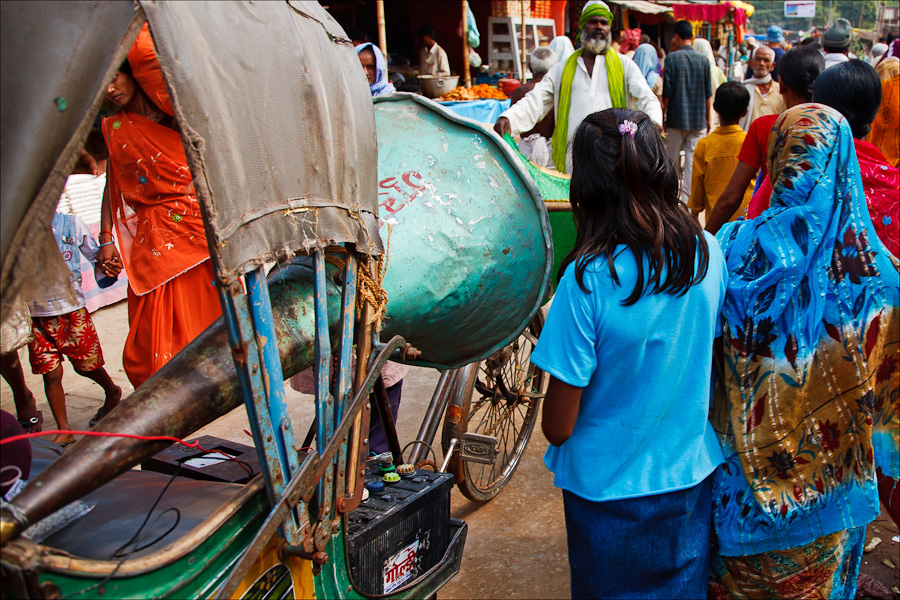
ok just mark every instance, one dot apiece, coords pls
pixel 716 155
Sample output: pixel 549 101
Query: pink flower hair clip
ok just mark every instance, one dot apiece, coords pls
pixel 628 127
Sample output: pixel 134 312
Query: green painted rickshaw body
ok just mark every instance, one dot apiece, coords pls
pixel 192 575
pixel 563 225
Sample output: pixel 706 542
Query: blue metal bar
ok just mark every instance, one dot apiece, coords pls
pixel 272 376
pixel 246 357
pixel 324 400
pixel 343 384
pixel 348 321
pixel 253 341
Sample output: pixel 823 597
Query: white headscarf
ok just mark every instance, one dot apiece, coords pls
pixel 600 2
pixel 877 51
pixel 562 47
pixel 717 76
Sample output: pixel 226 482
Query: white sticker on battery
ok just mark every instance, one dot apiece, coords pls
pixel 400 568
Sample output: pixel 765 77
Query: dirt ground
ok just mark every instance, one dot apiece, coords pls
pixel 516 545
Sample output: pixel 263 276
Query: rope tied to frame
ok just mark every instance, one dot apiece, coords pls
pixel 371 277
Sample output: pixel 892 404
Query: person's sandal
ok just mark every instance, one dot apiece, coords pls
pixel 34 424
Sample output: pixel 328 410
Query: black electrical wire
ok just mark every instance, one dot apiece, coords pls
pixel 134 539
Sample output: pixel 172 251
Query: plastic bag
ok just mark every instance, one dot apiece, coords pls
pixel 474 58
pixel 473 36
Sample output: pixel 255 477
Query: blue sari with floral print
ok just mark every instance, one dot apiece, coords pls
pixel 806 398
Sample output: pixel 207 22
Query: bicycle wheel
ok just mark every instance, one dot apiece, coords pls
pixel 497 397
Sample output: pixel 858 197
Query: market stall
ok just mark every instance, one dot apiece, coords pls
pixel 645 17
pixel 483 111
pixel 716 22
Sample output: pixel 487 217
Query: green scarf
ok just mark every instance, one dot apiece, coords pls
pixel 615 73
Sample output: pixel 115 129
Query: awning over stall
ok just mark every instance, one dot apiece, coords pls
pixel 746 7
pixel 641 6
pixel 712 12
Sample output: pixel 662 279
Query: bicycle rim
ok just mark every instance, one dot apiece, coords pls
pixel 503 402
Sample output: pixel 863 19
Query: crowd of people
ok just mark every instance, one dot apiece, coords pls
pixel 743 379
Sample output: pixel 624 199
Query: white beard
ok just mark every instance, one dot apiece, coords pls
pixel 594 45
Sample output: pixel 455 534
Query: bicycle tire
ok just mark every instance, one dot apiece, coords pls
pixel 498 396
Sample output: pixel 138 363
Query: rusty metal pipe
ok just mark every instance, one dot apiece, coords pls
pixel 196 387
pixel 383 406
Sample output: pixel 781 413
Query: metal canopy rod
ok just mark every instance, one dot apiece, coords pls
pixel 432 418
pixel 343 382
pixel 324 399
pixel 272 376
pixel 254 345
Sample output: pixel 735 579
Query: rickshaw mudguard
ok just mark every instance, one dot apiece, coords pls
pixel 470 264
pixel 564 235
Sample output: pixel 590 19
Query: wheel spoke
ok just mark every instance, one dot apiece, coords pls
pixel 486 414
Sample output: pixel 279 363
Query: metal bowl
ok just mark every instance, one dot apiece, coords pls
pixel 434 86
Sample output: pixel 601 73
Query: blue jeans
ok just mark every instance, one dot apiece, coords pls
pixel 648 547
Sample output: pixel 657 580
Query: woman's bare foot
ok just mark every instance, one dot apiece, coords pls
pixel 64 439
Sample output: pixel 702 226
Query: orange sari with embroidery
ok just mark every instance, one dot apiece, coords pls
pixel 171 296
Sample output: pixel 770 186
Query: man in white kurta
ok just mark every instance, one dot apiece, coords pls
pixel 590 94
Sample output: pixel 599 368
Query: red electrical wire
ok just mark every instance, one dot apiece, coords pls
pixel 146 438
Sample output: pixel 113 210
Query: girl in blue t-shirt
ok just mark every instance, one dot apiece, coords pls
pixel 628 344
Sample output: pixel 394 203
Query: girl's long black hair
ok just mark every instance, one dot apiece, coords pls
pixel 624 190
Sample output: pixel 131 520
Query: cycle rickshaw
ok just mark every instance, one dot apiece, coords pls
pixel 285 171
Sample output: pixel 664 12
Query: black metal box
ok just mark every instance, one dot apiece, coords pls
pixel 207 464
pixel 400 533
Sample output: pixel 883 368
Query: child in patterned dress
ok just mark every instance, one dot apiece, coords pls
pixel 63 327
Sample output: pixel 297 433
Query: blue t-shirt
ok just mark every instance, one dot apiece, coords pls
pixel 642 426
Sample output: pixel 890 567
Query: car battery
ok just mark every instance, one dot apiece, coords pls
pixel 400 532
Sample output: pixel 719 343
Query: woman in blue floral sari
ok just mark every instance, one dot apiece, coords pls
pixel 806 403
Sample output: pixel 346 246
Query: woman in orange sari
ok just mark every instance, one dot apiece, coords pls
pixel 150 200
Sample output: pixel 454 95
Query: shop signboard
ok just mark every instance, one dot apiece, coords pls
pixel 800 8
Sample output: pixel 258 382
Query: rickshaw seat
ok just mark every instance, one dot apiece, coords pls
pixel 120 506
